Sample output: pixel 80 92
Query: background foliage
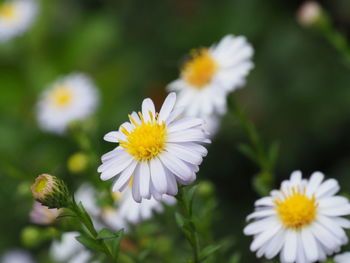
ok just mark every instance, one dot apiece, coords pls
pixel 298 95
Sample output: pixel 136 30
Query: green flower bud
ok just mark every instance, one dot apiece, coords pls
pixel 205 188
pixel 31 236
pixel 77 163
pixel 50 191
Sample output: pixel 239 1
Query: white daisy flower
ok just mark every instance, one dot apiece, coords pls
pixel 71 98
pixel 342 258
pixel 69 250
pixel 211 74
pixel 156 150
pixel 302 221
pixel 131 212
pixel 16 16
pixel 42 215
pixel 16 256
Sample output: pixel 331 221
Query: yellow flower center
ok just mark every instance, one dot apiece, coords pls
pixel 8 11
pixel 61 96
pixel 199 71
pixel 40 185
pixel 296 210
pixel 147 140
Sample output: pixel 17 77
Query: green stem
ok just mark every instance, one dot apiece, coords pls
pixel 259 153
pixel 85 219
pixel 192 237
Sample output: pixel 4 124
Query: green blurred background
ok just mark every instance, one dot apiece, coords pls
pixel 298 93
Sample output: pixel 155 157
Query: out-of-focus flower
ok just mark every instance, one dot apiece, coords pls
pixel 42 215
pixel 50 191
pixel 342 258
pixel 302 221
pixel 132 212
pixel 309 13
pixel 78 162
pixel 16 16
pixel 70 98
pixel 211 74
pixel 156 150
pixel 16 256
pixel 69 250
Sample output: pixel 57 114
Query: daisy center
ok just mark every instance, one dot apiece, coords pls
pixel 61 96
pixel 199 71
pixel 147 140
pixel 296 210
pixel 7 11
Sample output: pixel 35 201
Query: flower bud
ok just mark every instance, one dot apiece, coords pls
pixel 309 13
pixel 77 163
pixel 50 191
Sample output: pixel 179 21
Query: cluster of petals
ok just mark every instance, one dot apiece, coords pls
pixel 71 98
pixel 215 72
pixel 154 165
pixel 321 230
pixel 16 16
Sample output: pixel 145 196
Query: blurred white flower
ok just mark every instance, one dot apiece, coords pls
pixel 16 256
pixel 16 16
pixel 70 98
pixel 342 258
pixel 156 150
pixel 302 221
pixel 309 13
pixel 69 250
pixel 129 211
pixel 42 215
pixel 211 74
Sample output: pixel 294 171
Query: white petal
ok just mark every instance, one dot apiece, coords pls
pixel 184 153
pixel 136 186
pixel 309 244
pixel 116 167
pixel 176 166
pixel 327 188
pixel 158 176
pixel 124 177
pixel 167 107
pixel 147 108
pixel 314 182
pixel 145 178
pixel 185 123
pixel 290 246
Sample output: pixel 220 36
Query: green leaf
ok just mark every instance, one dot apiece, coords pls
pixel 90 243
pixel 248 152
pixel 208 251
pixel 106 234
pixel 116 243
pixel 273 153
pixel 66 214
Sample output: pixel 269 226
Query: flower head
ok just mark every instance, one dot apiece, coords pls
pixel 156 150
pixel 309 13
pixel 16 16
pixel 210 74
pixel 302 221
pixel 50 191
pixel 42 215
pixel 342 258
pixel 71 98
